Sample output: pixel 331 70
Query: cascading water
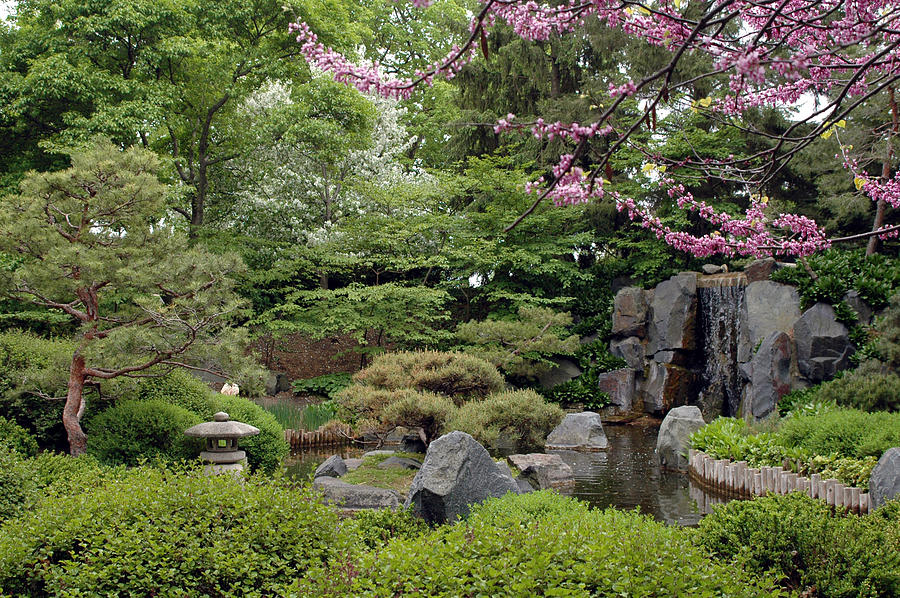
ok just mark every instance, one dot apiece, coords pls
pixel 719 308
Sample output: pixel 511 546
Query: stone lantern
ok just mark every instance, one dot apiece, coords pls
pixel 221 436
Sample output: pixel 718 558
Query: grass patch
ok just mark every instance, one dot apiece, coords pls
pixel 393 478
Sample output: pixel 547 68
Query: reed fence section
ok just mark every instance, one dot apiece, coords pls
pixel 301 439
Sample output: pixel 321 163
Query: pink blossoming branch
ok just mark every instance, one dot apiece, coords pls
pixel 773 53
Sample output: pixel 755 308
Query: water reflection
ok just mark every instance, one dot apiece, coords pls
pixel 626 476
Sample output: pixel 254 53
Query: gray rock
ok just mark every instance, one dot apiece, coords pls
pixel 378 453
pixel 666 386
pixel 457 473
pixel 333 466
pixel 578 431
pixel 863 311
pixel 823 343
pixel 713 268
pixel 355 497
pixel 506 472
pixel 352 464
pixel 619 384
pixel 673 441
pixel 631 350
pixel 884 484
pixel 673 312
pixel 768 307
pixel 524 486
pixel 769 373
pixel 760 269
pixel 630 309
pixel 277 382
pixel 544 471
pixel 399 463
pixel 564 370
pixel 679 357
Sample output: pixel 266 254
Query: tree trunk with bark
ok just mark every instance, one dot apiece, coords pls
pixel 74 407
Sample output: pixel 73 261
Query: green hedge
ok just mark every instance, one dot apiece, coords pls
pixel 539 544
pixel 845 432
pixel 522 416
pixel 17 438
pixel 156 532
pixel 134 430
pixel 797 538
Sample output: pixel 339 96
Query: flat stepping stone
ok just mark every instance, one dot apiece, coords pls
pixel 399 463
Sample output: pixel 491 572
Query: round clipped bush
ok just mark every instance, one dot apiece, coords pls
pixel 539 544
pixel 267 449
pixel 424 410
pixel 134 430
pixel 521 415
pixel 155 532
pixel 456 375
pixel 17 438
pixel 378 411
pixel 867 388
pixel 182 389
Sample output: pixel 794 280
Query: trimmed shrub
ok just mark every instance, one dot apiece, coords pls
pixel 538 544
pixel 456 375
pixel 17 438
pixel 17 486
pixel 182 389
pixel 522 416
pixel 134 430
pixel 797 538
pixel 844 432
pixel 374 528
pixel 869 388
pixel 267 449
pixel 167 533
pixel 378 411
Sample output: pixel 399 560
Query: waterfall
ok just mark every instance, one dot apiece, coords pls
pixel 719 305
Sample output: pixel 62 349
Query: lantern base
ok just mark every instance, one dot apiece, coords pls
pixel 224 457
pixel 223 468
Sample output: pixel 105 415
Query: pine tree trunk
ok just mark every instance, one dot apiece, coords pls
pixel 75 407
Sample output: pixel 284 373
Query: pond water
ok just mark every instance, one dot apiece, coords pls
pixel 626 476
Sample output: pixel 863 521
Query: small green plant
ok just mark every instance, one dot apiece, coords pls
pixel 327 385
pixel 582 390
pixel 288 415
pixel 315 416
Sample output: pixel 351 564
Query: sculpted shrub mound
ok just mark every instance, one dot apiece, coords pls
pixel 539 544
pixel 456 375
pixel 522 416
pixel 155 532
pixel 379 412
pixel 797 538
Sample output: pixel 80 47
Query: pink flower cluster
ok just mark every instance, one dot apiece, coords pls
pixel 772 52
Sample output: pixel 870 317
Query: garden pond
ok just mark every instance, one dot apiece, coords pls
pixel 626 476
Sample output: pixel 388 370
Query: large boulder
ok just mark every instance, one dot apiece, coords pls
pixel 667 385
pixel 333 467
pixel 823 343
pixel 544 471
pixel 760 269
pixel 356 496
pixel 630 309
pixel 769 373
pixel 673 311
pixel 399 463
pixel 579 432
pixel 619 385
pixel 564 370
pixel 673 441
pixel 884 484
pixel 631 350
pixel 768 307
pixel 457 473
pixel 863 311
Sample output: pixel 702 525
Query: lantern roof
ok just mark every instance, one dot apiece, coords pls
pixel 222 427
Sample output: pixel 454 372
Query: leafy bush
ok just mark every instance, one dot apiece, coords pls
pixel 374 528
pixel 520 415
pixel 30 364
pixel 581 390
pixel 17 486
pixel 843 432
pixel 379 412
pixel 538 544
pixel 15 437
pixel 267 449
pixel 327 386
pixel 456 375
pixel 182 389
pixel 168 533
pixel 424 410
pixel 797 538
pixel 134 430
pixel 868 388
